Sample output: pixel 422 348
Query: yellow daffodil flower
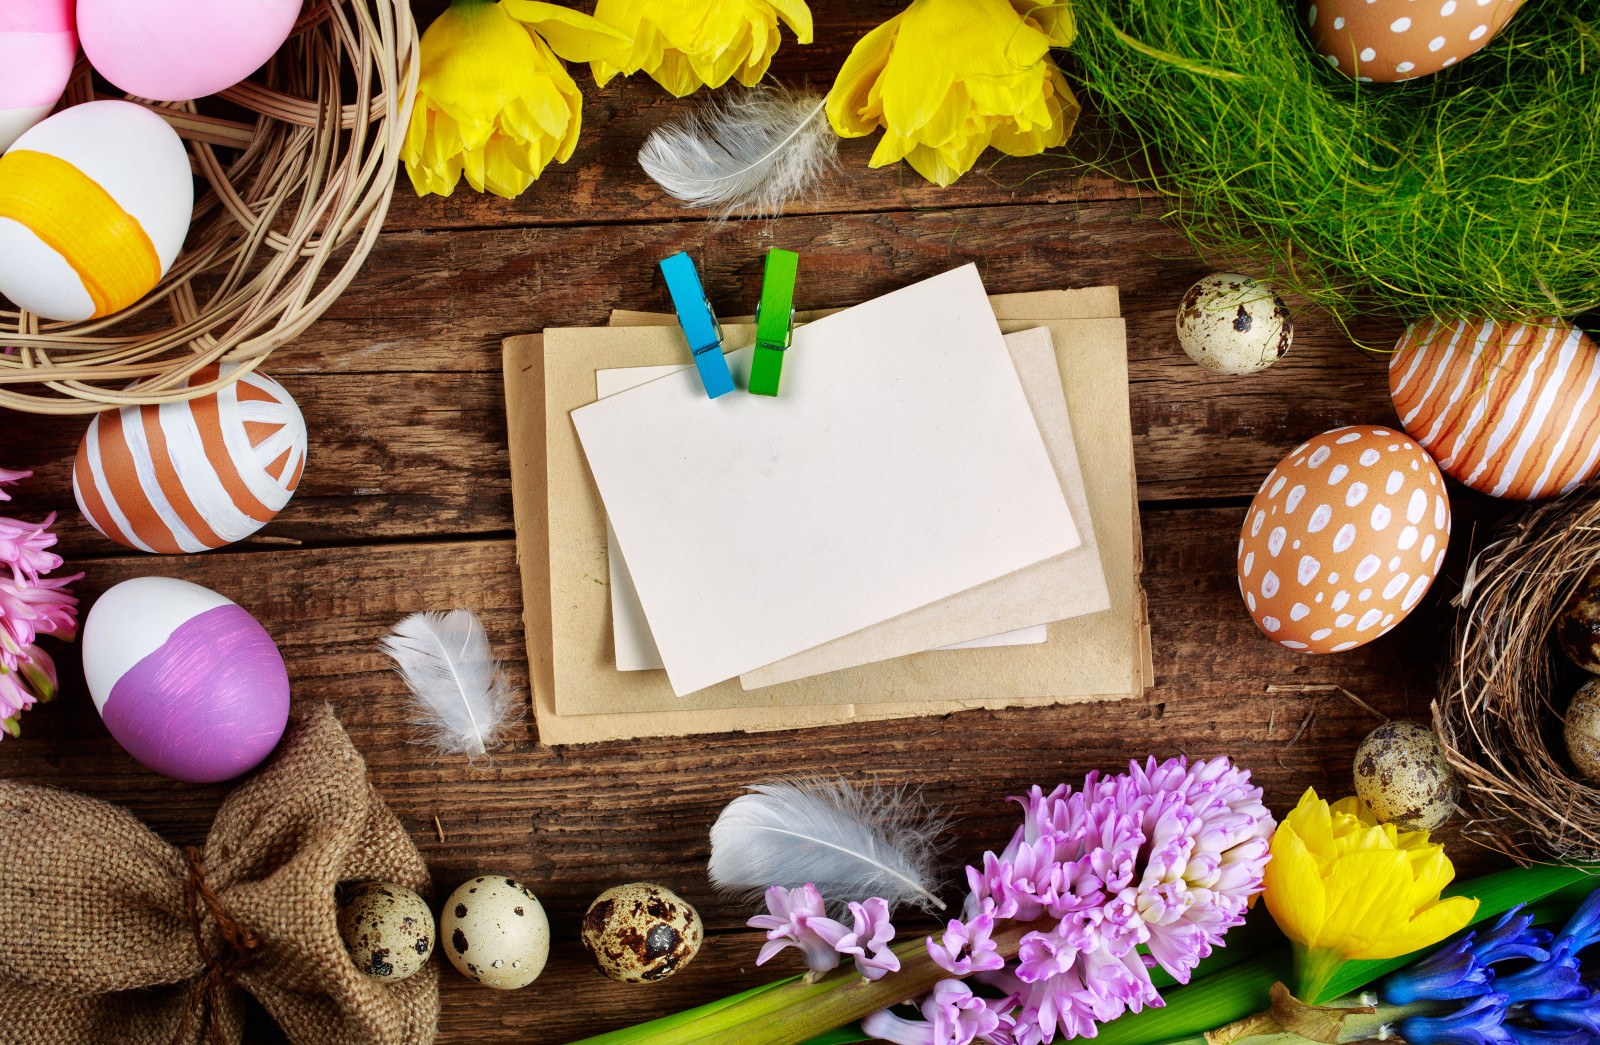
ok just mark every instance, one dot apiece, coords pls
pixel 946 79
pixel 683 45
pixel 1343 886
pixel 494 101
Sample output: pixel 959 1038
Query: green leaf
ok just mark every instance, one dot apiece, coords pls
pixel 841 1036
pixel 1222 997
pixel 1258 933
pixel 644 1032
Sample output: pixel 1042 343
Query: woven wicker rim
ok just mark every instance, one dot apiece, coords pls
pixel 287 218
pixel 1502 696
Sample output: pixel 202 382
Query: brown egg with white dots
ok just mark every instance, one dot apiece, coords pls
pixel 1343 539
pixel 494 931
pixel 641 933
pixel 1386 41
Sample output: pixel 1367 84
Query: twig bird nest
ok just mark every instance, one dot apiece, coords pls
pixel 1505 691
pixel 298 168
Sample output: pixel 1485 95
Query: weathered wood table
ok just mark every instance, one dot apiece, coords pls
pixel 406 505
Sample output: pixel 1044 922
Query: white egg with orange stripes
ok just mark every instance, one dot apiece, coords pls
pixel 94 206
pixel 193 475
pixel 1511 409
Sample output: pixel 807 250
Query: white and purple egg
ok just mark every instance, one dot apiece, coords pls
pixel 186 680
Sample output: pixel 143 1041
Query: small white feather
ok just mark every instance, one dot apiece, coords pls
pixel 751 152
pixel 461 699
pixel 851 843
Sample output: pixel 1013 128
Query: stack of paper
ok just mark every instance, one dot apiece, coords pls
pixel 916 487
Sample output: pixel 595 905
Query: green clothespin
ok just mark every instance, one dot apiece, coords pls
pixel 774 321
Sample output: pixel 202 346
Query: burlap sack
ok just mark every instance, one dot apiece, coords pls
pixel 111 935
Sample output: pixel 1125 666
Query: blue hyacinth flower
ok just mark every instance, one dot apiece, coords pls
pixel 1573 1013
pixel 1480 1022
pixel 1542 1036
pixel 1583 928
pixel 1449 973
pixel 1554 980
pixel 1513 937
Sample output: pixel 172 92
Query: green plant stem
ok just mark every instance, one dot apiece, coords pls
pixel 793 1011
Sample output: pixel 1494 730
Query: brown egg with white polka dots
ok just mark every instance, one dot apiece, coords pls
pixel 1386 41
pixel 1343 539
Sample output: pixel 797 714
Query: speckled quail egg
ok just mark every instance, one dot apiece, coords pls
pixel 640 933
pixel 1582 730
pixel 494 932
pixel 1578 625
pixel 387 928
pixel 1402 774
pixel 1232 324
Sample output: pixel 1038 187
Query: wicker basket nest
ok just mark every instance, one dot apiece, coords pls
pixel 1505 690
pixel 292 205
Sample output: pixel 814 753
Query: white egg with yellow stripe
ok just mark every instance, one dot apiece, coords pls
pixel 94 205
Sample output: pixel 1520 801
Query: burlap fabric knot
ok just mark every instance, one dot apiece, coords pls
pixel 112 935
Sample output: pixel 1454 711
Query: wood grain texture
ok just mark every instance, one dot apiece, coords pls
pixel 405 505
pixel 573 820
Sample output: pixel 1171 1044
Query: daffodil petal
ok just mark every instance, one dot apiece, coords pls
pixel 494 103
pixel 1426 928
pixel 683 46
pixel 863 69
pixel 575 36
pixel 797 16
pixel 1054 18
pixel 676 75
pixel 1293 887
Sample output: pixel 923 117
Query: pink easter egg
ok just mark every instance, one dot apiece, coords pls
pixel 186 680
pixel 38 45
pixel 176 50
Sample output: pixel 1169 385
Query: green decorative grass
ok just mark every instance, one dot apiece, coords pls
pixel 1473 192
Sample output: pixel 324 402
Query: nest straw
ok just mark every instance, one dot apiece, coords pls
pixel 1471 193
pixel 294 201
pixel 1503 692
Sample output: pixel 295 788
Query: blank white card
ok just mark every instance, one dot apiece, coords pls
pixel 900 465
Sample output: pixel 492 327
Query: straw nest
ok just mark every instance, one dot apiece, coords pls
pixel 297 166
pixel 1505 690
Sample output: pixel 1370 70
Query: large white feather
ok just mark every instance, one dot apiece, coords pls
pixel 462 700
pixel 751 152
pixel 851 843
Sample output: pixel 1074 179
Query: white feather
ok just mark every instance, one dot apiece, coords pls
pixel 850 843
pixel 462 700
pixel 751 152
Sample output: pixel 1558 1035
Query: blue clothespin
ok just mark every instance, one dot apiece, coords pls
pixel 699 323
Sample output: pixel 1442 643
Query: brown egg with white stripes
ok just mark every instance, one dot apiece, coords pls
pixel 1511 409
pixel 1343 539
pixel 1388 41
pixel 193 475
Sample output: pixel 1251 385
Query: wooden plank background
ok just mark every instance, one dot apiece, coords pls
pixel 405 505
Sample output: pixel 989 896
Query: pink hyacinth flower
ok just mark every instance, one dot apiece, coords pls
pixel 868 942
pixel 11 476
pixel 23 548
pixel 797 918
pixel 952 1015
pixel 966 948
